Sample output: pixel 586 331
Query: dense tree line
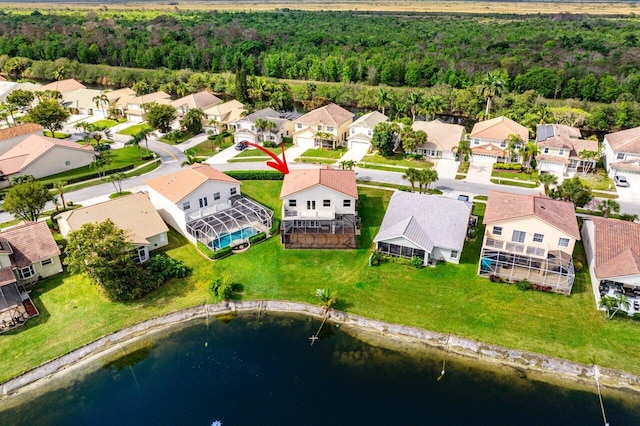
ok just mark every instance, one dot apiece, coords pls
pixel 558 56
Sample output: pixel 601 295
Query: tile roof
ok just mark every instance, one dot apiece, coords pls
pixel 625 140
pixel 369 120
pixel 629 165
pixel 560 136
pixel 545 131
pixel 19 130
pixel 343 181
pixel 489 149
pixel 31 149
pixel 499 129
pixel 2 78
pixel 114 95
pixel 176 186
pixel 443 135
pixel 553 159
pixel 328 115
pixel 133 213
pixel 503 206
pixel 227 111
pixel 30 242
pixel 80 98
pixel 200 100
pixel 63 86
pixel 268 114
pixel 150 97
pixel 426 220
pixel 617 248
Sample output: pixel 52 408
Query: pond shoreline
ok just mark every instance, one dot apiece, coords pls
pixel 545 367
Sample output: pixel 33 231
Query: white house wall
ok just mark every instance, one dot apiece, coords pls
pixel 55 267
pixel 158 241
pixel 319 193
pixel 55 160
pixel 530 225
pixel 444 254
pixel 545 166
pixel 169 212
pixel 207 190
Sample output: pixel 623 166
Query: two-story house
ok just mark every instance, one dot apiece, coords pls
pixel 489 140
pixel 529 237
pixel 319 209
pixel 325 127
pixel 562 149
pixel 219 116
pixel 201 100
pixel 622 151
pixel 273 128
pixel 430 227
pixel 136 107
pixel 361 130
pixel 28 253
pixel 109 101
pixel 205 205
pixel 442 139
pixel 143 227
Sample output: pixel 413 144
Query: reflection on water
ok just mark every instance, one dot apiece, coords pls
pixel 264 371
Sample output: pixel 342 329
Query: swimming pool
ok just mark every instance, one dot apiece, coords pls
pixel 224 240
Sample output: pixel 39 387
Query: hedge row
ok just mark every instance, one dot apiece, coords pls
pixel 255 174
pixel 507 166
pixel 257 238
pixel 85 177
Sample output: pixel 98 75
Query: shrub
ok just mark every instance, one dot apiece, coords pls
pixel 255 174
pixel 507 166
pixel 524 285
pixel 413 157
pixel 206 250
pixel 577 266
pixel 164 267
pixel 223 252
pixel 87 176
pixel 416 262
pixel 222 287
pixel 257 238
pixel 275 227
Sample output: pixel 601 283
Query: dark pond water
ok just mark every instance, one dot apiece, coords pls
pixel 249 372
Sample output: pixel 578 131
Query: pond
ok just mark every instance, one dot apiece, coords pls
pixel 264 371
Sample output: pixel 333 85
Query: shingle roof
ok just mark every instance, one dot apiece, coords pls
pixel 426 220
pixel 150 97
pixel 343 181
pixel 227 111
pixel 268 114
pixel 133 213
pixel 19 130
pixel 545 131
pixel 31 149
pixel 560 136
pixel 80 98
pixel 64 85
pixel 443 135
pixel 499 129
pixel 328 115
pixel 625 140
pixel 198 100
pixel 176 186
pixel 617 248
pixel 503 206
pixel 31 242
pixel 114 95
pixel 369 120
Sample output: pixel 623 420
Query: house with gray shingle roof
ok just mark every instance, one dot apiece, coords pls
pixel 561 149
pixel 430 227
pixel 245 129
pixel 622 151
pixel 361 130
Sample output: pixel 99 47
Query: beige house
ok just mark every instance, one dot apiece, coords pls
pixel 622 151
pixel 489 139
pixel 613 251
pixel 205 205
pixel 561 147
pixel 529 237
pixel 325 127
pixel 63 86
pixel 28 253
pixel 12 136
pixel 244 128
pixel 319 209
pixel 361 130
pixel 219 116
pixel 201 100
pixel 41 156
pixel 136 112
pixel 116 101
pixel 442 139
pixel 134 214
pixel 80 101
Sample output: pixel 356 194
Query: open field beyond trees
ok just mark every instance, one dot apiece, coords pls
pixel 447 298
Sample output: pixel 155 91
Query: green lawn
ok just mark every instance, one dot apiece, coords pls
pixel 325 153
pixel 511 183
pixel 107 123
pixel 447 298
pixel 396 169
pixel 183 136
pixel 248 160
pixel 132 130
pixel 209 148
pixel 258 153
pixel 315 160
pixel 598 181
pixel 396 160
pixel 514 175
pixel 57 135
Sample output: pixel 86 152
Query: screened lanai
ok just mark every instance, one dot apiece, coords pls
pixel 222 228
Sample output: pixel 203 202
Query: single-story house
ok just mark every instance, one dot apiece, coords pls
pixel 361 130
pixel 561 147
pixel 245 128
pixel 622 151
pixel 430 227
pixel 12 136
pixel 442 138
pixel 489 139
pixel 63 86
pixel 134 214
pixel 324 127
pixel 116 100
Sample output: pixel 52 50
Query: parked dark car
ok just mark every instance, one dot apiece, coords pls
pixel 241 146
pixel 103 147
pixel 620 180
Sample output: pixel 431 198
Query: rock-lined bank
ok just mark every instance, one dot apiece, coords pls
pixel 549 367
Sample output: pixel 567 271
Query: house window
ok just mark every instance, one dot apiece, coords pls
pixel 27 272
pixel 563 242
pixel 454 254
pixel 346 203
pixel 353 131
pixel 204 202
pixel 313 224
pixel 311 204
pixel 620 156
pixel 497 230
pixel 139 254
pixel 476 141
pixel 546 150
pixel 319 128
pixel 46 262
pixel 216 196
pixel 298 126
pixel 292 203
pixel 537 238
pixel 503 144
pixel 329 129
pixel 369 132
pixel 233 191
pixel 561 152
pixel 518 236
pixel 326 203
pixel 186 205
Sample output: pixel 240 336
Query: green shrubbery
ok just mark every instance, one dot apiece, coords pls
pixel 164 267
pixel 223 252
pixel 222 287
pixel 255 174
pixel 257 238
pixel 507 166
pixel 378 257
pixel 205 250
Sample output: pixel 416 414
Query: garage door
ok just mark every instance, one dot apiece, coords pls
pixel 485 159
pixel 551 167
pixel 304 142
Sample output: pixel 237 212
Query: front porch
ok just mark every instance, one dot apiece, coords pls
pixel 325 141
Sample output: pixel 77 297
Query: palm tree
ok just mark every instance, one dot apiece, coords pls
pixel 614 304
pixel 116 179
pixel 269 126
pixel 192 121
pixel 383 99
pixel 414 101
pixel 59 74
pixel 260 124
pixel 59 186
pixel 411 175
pixel 513 144
pixel 492 84
pixel 609 206
pixel 426 177
pixel 463 150
pixel 347 164
pixel 191 158
pixel 98 132
pixel 547 179
pixel 327 297
pixel 142 135
pixel 101 100
pixel 531 149
pixel 590 158
pixel 431 106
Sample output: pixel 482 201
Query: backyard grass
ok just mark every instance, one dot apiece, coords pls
pixel 132 130
pixel 598 181
pixel 325 153
pixel 397 160
pixel 447 298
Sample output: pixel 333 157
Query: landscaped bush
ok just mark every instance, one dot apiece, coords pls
pixel 415 261
pixel 275 227
pixel 523 285
pixel 257 238
pixel 413 157
pixel 93 175
pixel 255 174
pixel 577 266
pixel 164 267
pixel 507 166
pixel 223 252
pixel 206 250
pixel 222 287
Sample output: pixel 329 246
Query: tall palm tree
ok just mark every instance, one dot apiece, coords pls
pixel 59 74
pixel 614 304
pixel 383 99
pixel 546 180
pixel 609 206
pixel 590 158
pixel 191 158
pixel 269 126
pixel 463 150
pixel 411 175
pixel 431 106
pixel 101 100
pixel 492 84
pixel 427 177
pixel 531 149
pixel 59 186
pixel 514 142
pixel 414 102
pixel 260 124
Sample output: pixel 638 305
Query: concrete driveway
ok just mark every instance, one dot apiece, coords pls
pixel 632 192
pixel 447 169
pixel 356 153
pixel 479 173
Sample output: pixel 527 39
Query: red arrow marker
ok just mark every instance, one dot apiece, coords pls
pixel 278 164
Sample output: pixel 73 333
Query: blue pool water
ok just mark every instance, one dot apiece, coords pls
pixel 225 239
